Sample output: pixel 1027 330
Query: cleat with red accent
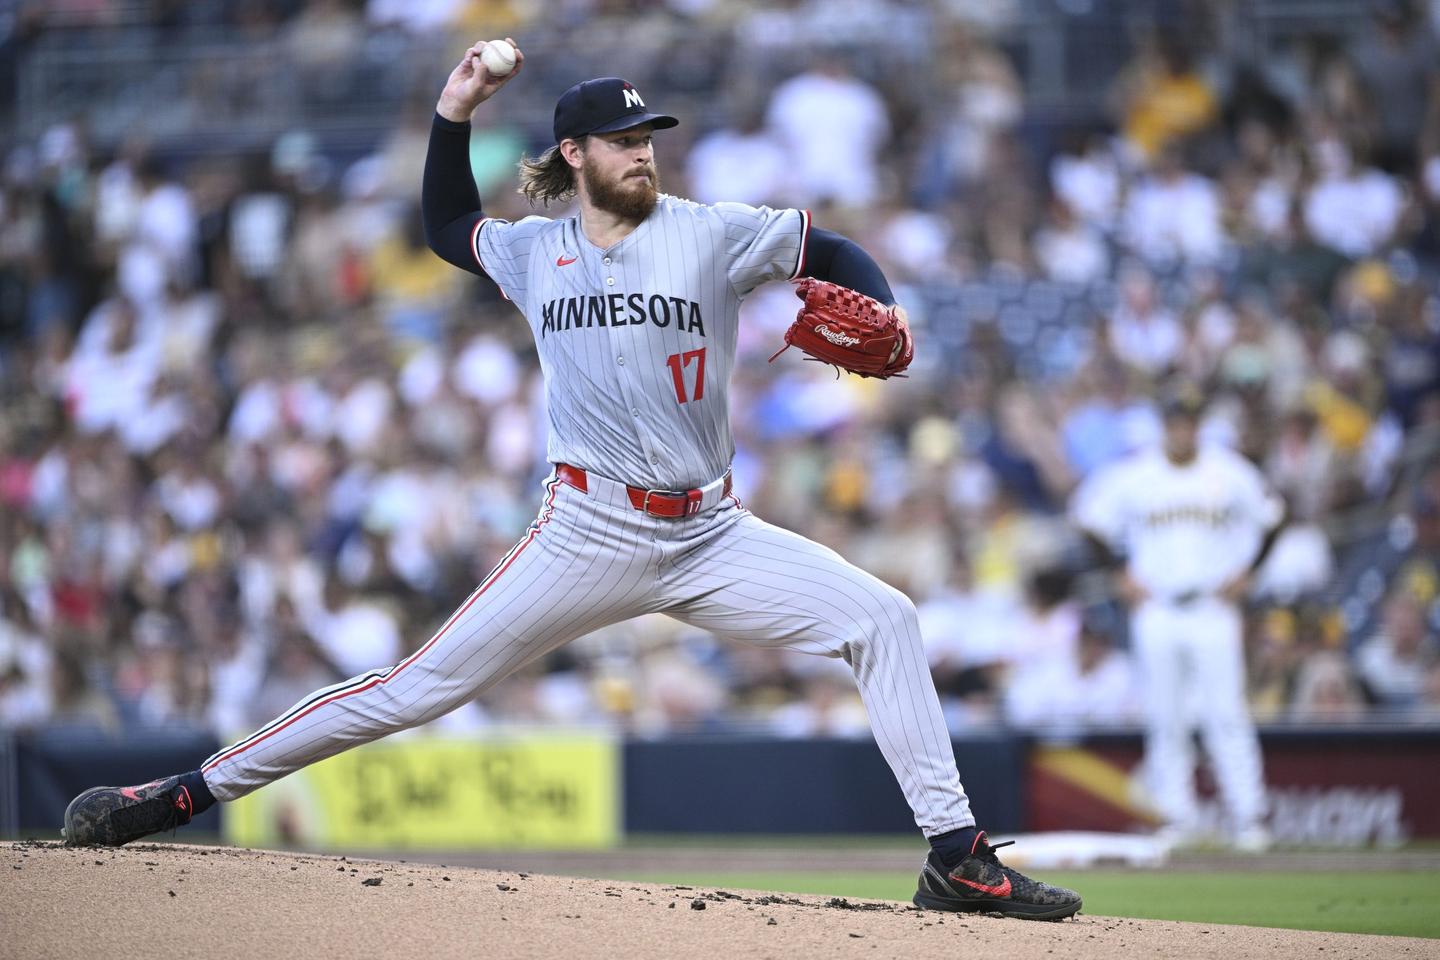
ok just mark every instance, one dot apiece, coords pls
pixel 111 816
pixel 982 884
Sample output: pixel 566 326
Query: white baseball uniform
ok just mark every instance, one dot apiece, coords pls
pixel 636 344
pixel 1187 530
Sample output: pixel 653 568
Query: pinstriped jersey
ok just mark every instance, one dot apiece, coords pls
pixel 637 341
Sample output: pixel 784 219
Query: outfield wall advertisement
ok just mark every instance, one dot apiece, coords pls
pixel 1324 788
pixel 524 790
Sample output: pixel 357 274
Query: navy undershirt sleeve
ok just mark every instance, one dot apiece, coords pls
pixel 449 202
pixel 829 256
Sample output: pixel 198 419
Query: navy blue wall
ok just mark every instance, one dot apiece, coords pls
pixel 761 785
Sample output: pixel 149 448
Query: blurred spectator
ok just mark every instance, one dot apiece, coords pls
pixel 1173 213
pixel 1302 463
pixel 1088 179
pixel 1092 685
pixel 353 633
pixel 161 242
pixel 915 243
pixel 25 668
pixel 1106 420
pixel 833 127
pixel 236 657
pixel 413 288
pixel 1326 691
pixel 1300 565
pixel 975 101
pixel 1142 332
pixel 1276 653
pixel 1353 209
pixel 111 373
pixel 1411 361
pixel 1024 451
pixel 296 669
pixel 744 163
pixel 1396 59
pixel 966 630
pixel 74 701
pixel 676 693
pixel 1393 663
pixel 828 706
pixel 417 16
pixel 1070 250
pixel 325 34
pixel 1162 96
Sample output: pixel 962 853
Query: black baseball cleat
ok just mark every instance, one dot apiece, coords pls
pixel 111 816
pixel 982 884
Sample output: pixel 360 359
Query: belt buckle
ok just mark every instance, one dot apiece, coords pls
pixel 645 503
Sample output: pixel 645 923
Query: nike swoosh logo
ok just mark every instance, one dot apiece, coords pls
pixel 999 890
pixel 561 261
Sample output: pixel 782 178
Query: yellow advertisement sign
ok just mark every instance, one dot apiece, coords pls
pixel 520 790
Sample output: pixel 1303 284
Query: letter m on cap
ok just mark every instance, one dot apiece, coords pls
pixel 632 98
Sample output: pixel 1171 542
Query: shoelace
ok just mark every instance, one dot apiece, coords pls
pixel 989 855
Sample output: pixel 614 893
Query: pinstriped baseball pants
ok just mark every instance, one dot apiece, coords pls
pixel 591 559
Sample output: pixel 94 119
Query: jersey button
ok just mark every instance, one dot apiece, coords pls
pixel 654 459
pixel 635 410
pixel 607 261
pixel 610 281
pixel 620 360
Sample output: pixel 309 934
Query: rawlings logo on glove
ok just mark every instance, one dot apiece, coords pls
pixel 858 333
pixel 839 339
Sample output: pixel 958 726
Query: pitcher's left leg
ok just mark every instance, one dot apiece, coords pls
pixel 765 585
pixel 768 586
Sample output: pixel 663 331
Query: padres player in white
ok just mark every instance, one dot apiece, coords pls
pixel 1192 523
pixel 634 308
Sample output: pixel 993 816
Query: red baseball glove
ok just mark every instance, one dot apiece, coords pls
pixel 862 335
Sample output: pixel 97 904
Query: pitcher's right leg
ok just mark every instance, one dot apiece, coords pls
pixel 583 564
pixel 558 583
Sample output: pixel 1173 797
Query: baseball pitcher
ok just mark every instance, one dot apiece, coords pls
pixel 634 306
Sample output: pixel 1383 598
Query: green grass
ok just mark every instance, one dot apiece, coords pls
pixel 1390 903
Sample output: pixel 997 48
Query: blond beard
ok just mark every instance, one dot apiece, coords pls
pixel 619 197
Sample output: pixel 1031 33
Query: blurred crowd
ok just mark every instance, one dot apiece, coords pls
pixel 255 438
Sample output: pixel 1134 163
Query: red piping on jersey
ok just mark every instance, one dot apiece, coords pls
pixel 515 552
pixel 475 252
pixel 804 236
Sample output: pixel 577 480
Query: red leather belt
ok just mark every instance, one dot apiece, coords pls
pixel 658 503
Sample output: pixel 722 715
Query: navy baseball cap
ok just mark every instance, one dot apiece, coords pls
pixel 603 105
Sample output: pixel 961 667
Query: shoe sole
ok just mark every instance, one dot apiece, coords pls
pixel 1006 908
pixel 65 827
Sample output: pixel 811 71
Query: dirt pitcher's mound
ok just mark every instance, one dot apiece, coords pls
pixel 170 900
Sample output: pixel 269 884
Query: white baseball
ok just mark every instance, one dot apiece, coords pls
pixel 498 58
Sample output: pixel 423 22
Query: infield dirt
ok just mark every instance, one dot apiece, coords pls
pixel 174 900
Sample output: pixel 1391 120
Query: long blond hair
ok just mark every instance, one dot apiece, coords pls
pixel 547 177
